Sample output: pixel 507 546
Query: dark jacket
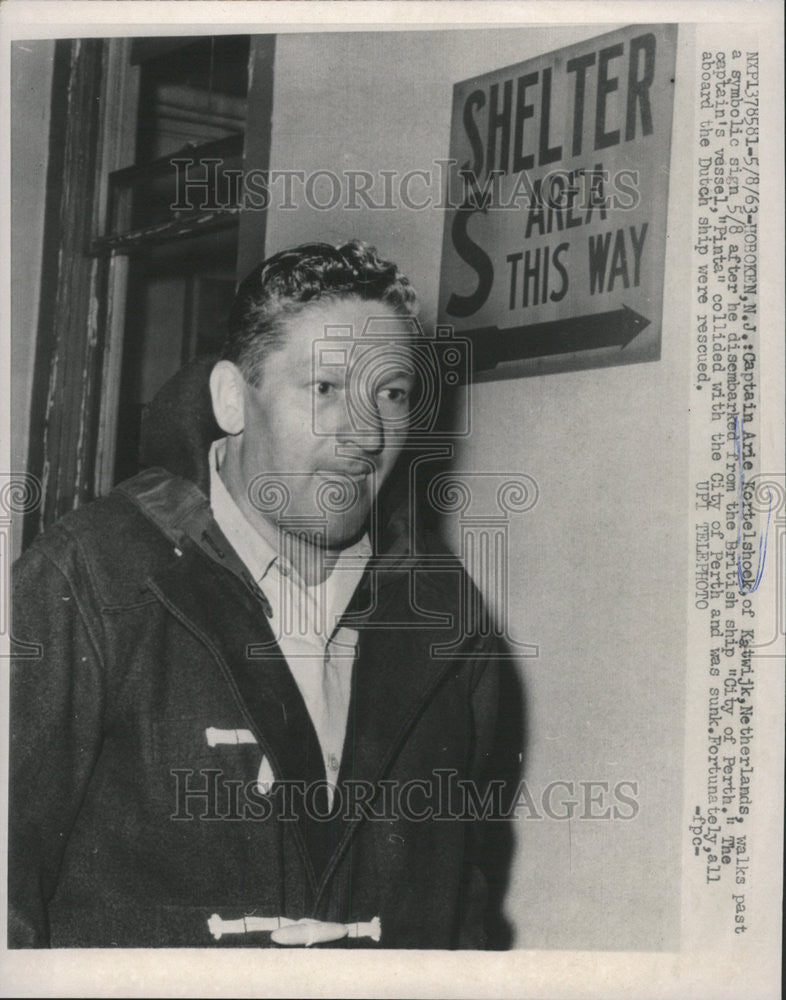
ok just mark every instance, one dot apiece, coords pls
pixel 127 828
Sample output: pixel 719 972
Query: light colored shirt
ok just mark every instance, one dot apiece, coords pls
pixel 320 655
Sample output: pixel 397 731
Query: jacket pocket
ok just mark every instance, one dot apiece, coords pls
pixel 189 745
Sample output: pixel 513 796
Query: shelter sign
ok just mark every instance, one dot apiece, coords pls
pixel 555 229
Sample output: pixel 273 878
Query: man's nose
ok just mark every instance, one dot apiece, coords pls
pixel 362 423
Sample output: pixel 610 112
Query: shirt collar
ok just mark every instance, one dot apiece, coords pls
pixel 255 550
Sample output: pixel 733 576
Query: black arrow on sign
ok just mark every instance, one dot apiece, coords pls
pixel 492 345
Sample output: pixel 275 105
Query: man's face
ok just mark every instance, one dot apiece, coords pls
pixel 328 419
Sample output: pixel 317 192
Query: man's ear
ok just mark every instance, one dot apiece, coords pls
pixel 226 390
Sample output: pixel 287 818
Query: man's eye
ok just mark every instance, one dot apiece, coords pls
pixel 393 394
pixel 324 388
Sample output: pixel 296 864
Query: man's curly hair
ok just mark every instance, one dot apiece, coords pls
pixel 290 281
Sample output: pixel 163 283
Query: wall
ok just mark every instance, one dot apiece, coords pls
pixel 31 82
pixel 592 566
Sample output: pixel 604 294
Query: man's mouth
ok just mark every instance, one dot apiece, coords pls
pixel 355 472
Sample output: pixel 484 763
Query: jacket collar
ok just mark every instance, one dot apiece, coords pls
pixel 179 426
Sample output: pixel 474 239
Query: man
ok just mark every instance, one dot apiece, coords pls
pixel 240 721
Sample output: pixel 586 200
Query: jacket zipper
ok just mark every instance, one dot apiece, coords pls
pixel 259 594
pixel 250 583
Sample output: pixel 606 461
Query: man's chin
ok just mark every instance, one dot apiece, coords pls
pixel 344 530
pixel 332 531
